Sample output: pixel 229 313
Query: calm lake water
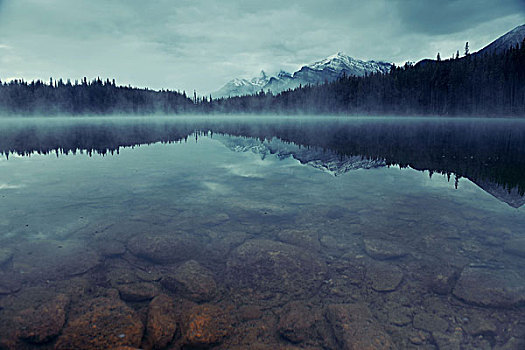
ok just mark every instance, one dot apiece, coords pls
pixel 262 233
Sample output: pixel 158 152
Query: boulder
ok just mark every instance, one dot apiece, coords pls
pixel 384 277
pixel 162 322
pixel 205 325
pixel 40 325
pixel 300 323
pixel 490 287
pixel 191 280
pixel 275 267
pixel 356 329
pixel 102 323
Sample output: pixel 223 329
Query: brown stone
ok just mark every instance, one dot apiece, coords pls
pixel 193 281
pixel 356 329
pixel 205 325
pixel 161 324
pixel 102 323
pixel 275 267
pixel 300 323
pixel 41 324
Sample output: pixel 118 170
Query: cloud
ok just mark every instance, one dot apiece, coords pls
pixel 452 16
pixel 201 44
pixel 9 187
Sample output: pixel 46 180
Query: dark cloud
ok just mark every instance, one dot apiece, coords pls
pixel 201 44
pixel 451 16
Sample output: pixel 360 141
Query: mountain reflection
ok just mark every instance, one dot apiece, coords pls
pixel 490 153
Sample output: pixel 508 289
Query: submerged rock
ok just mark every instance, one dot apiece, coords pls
pixel 430 322
pixel 6 255
pixel 193 281
pixel 10 282
pixel 275 267
pixel 137 291
pixel 308 239
pixel 300 323
pixel 162 322
pixel 381 249
pixel 515 247
pixel 52 260
pixel 384 277
pixel 110 248
pixel 41 324
pixel 490 287
pixel 355 328
pixel 164 248
pixel 102 323
pixel 205 325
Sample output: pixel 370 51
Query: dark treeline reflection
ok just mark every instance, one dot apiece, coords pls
pixel 480 150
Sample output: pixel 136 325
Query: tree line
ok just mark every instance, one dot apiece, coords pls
pixel 96 97
pixel 473 85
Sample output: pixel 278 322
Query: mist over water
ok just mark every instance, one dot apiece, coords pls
pixel 277 228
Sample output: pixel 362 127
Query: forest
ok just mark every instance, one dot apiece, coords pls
pixel 473 85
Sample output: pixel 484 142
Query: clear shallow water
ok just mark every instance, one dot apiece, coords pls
pixel 283 232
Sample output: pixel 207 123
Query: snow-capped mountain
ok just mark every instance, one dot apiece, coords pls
pixel 328 69
pixel 239 87
pixel 504 42
pixel 321 159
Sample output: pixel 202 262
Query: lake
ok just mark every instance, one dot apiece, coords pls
pixel 262 232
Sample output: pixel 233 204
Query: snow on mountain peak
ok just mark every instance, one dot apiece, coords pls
pixel 328 69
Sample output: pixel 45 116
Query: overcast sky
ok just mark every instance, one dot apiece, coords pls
pixel 201 44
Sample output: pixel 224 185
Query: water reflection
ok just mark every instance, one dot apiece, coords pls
pixel 216 234
pixel 488 152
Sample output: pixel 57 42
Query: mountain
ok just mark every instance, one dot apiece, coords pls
pixel 515 36
pixel 321 159
pixel 328 69
pixel 240 87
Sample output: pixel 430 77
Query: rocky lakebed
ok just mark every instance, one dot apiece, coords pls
pixel 330 277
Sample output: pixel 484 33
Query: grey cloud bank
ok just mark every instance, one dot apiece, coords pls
pixel 200 45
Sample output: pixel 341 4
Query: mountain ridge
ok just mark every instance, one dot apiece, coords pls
pixel 318 72
pixel 335 66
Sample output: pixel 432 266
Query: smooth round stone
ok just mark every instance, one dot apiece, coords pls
pixel 275 267
pixel 384 277
pixel 491 287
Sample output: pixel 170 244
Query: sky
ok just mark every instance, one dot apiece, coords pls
pixel 202 44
